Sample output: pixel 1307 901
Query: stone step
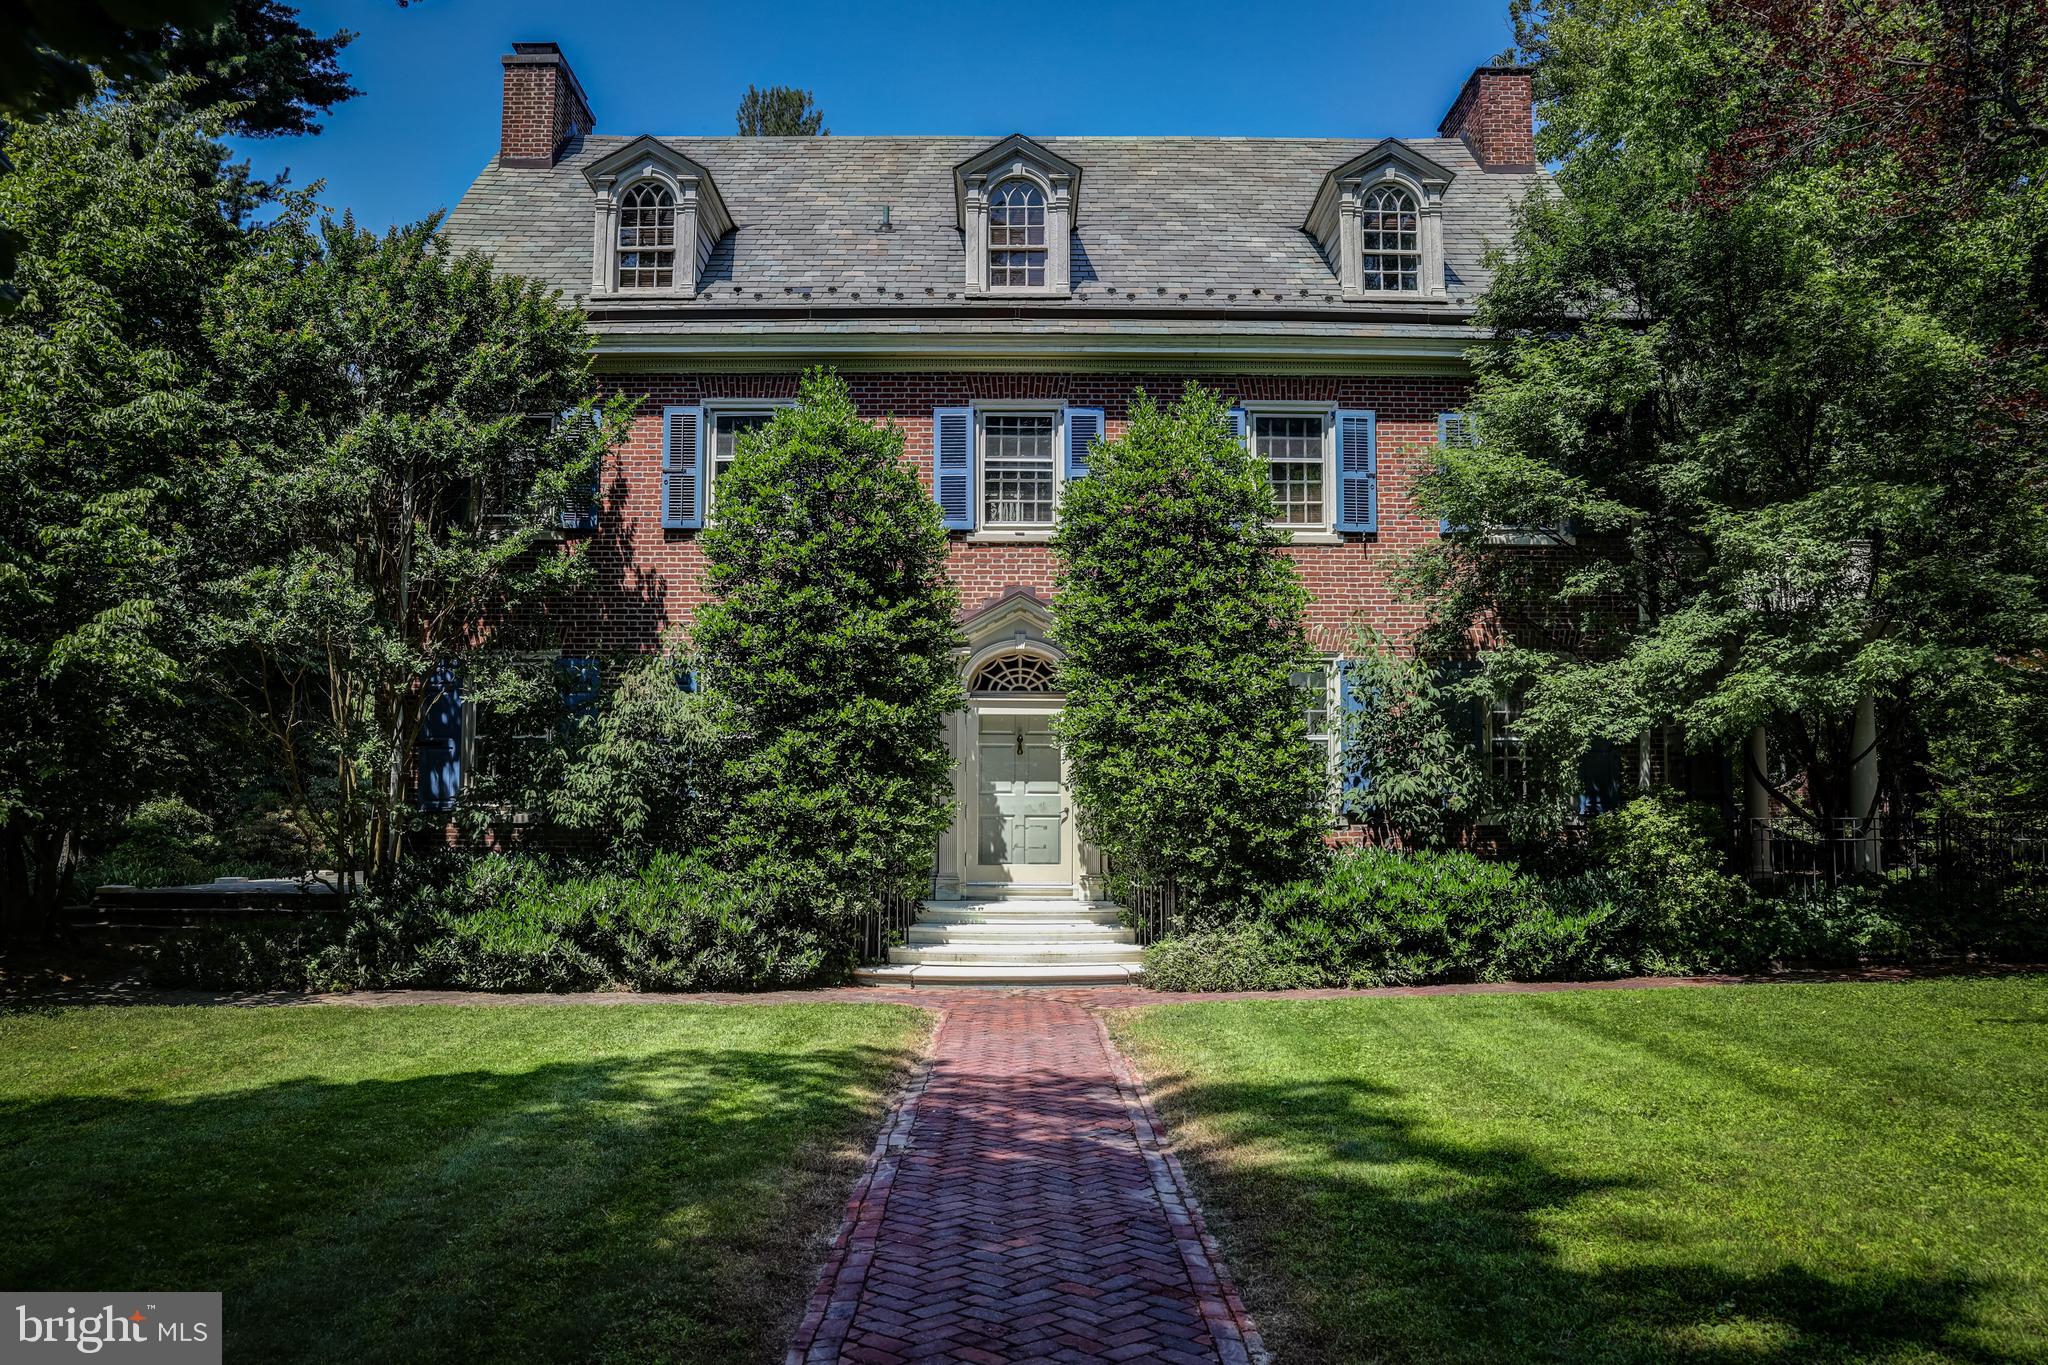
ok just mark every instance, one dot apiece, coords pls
pixel 1008 931
pixel 1003 954
pixel 1013 974
pixel 1018 912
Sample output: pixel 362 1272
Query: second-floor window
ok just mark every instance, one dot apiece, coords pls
pixel 647 238
pixel 726 430
pixel 1018 470
pixel 1292 447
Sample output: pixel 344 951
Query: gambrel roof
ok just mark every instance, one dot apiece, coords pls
pixel 1203 224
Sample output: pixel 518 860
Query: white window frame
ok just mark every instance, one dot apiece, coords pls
pixel 1324 532
pixel 1510 707
pixel 1017 407
pixel 1331 738
pixel 675 248
pixel 715 408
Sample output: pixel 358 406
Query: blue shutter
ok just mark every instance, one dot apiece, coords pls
pixel 1084 429
pixel 1600 779
pixel 581 681
pixel 682 468
pixel 437 753
pixel 1358 471
pixel 953 466
pixel 1236 416
pixel 579 505
pixel 1450 430
pixel 1351 700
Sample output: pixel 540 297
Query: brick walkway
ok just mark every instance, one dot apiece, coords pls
pixel 1020 1206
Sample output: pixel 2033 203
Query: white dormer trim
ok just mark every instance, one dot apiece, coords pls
pixel 701 216
pixel 1019 158
pixel 1334 219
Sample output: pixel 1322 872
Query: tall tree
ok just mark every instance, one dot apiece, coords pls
pixel 128 217
pixel 1183 630
pixel 780 111
pixel 827 656
pixel 401 430
pixel 1777 414
pixel 275 75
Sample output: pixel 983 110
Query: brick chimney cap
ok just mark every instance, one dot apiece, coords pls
pixel 550 54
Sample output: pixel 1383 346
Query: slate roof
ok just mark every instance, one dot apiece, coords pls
pixel 1204 223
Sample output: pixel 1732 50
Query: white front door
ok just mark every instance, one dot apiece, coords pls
pixel 1018 824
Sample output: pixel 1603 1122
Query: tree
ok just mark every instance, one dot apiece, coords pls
pixel 827 654
pixel 400 430
pixel 780 111
pixel 1778 413
pixel 127 217
pixel 49 49
pixel 1182 629
pixel 1411 772
pixel 273 74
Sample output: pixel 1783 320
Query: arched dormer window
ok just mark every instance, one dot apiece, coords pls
pixel 1020 205
pixel 1379 221
pixel 1391 240
pixel 647 237
pixel 1016 236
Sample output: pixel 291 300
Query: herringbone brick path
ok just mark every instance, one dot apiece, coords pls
pixel 1021 1207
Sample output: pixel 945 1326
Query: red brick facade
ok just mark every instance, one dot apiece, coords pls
pixel 1491 117
pixel 649 578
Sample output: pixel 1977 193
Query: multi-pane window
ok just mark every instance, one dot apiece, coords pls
pixel 647 238
pixel 1393 241
pixel 726 429
pixel 1317 713
pixel 1016 236
pixel 1017 468
pixel 1292 448
pixel 1507 750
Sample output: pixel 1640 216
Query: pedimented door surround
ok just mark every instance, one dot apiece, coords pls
pixel 1014 830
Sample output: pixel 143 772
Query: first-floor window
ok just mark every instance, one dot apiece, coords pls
pixel 1292 448
pixel 1507 751
pixel 1017 478
pixel 1319 717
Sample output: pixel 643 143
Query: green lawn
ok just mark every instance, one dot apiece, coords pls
pixel 444 1183
pixel 1771 1173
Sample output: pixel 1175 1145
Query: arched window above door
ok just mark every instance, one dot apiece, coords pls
pixel 1010 674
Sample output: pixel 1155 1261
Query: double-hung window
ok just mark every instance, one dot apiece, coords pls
pixel 1019 468
pixel 1292 447
pixel 1507 749
pixel 725 425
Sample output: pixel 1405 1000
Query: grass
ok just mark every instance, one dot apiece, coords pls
pixel 628 1183
pixel 1753 1174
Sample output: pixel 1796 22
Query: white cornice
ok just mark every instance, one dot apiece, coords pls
pixel 1323 352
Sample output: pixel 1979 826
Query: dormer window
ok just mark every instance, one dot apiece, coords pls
pixel 1378 219
pixel 657 215
pixel 647 238
pixel 1391 240
pixel 1018 206
pixel 1016 236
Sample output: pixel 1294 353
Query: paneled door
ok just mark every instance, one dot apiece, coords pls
pixel 1020 818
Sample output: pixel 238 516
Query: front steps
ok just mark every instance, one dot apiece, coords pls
pixel 1014 941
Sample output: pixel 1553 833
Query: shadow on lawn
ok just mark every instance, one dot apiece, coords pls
pixel 664 1206
pixel 1429 1251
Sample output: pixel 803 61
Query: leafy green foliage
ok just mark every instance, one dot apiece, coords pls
pixel 646 778
pixel 127 218
pixel 1791 413
pixel 1670 851
pixel 1182 630
pixel 1413 773
pixel 780 111
pixel 826 654
pixel 269 74
pixel 387 495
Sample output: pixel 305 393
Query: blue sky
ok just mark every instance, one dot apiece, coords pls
pixel 428 115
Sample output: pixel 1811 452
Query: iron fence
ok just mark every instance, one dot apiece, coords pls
pixel 1845 849
pixel 1152 907
pixel 886 923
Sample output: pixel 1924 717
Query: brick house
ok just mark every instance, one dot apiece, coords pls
pixel 1001 299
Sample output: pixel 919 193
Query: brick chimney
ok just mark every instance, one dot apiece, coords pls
pixel 1494 117
pixel 544 106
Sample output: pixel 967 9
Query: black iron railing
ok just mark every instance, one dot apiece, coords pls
pixel 886 923
pixel 1153 908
